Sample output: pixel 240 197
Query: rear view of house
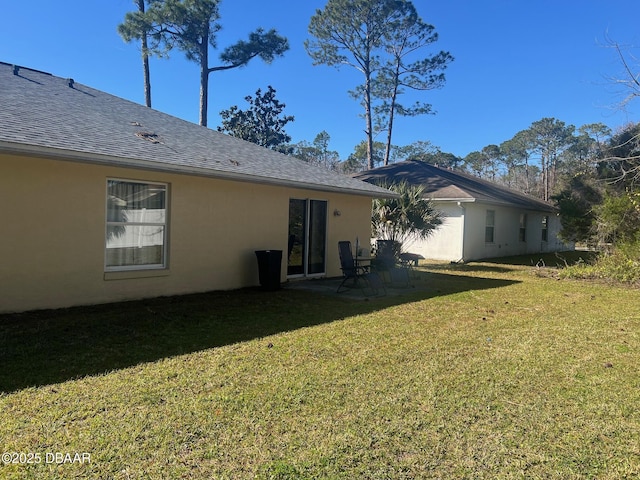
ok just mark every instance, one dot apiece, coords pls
pixel 480 219
pixel 105 200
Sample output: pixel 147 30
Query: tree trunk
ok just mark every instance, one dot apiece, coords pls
pixel 553 168
pixel 204 94
pixel 145 69
pixel 204 77
pixel 369 131
pixel 545 176
pixel 147 78
pixel 145 61
pixel 387 151
pixel 392 110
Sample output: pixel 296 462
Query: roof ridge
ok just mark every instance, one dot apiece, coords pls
pixel 17 67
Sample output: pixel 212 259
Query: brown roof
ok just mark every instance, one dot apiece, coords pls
pixel 443 184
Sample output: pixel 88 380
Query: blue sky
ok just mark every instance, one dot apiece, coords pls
pixel 515 62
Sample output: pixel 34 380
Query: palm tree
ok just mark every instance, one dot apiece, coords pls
pixel 409 217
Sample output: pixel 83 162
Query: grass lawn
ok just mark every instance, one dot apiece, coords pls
pixel 494 370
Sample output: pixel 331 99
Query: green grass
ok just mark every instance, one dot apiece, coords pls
pixel 489 370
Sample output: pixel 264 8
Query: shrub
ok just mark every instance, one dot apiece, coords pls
pixel 621 264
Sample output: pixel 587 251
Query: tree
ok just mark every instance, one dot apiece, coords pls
pixel 619 214
pixel 476 162
pixel 135 27
pixel 549 139
pixel 352 165
pixel 516 154
pixel 418 150
pixel 317 153
pixel 493 159
pixel 359 159
pixel 327 158
pixel 409 37
pixel 191 26
pixel 630 80
pixel 576 203
pixel 405 219
pixel 621 157
pixel 263 123
pixel 305 151
pixel 618 217
pixel 586 149
pixel 438 158
pixel 350 32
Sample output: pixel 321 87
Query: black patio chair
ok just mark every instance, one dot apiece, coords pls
pixel 355 275
pixel 387 255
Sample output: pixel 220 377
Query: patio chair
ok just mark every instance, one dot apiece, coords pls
pixel 387 255
pixel 410 259
pixel 355 275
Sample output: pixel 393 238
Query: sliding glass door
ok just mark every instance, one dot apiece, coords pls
pixel 307 237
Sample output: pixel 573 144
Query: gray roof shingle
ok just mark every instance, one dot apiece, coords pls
pixel 443 184
pixel 41 114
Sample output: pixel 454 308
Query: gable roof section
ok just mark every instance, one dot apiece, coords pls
pixel 443 184
pixel 48 116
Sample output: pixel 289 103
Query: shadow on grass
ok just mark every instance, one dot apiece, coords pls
pixel 511 263
pixel 51 346
pixel 559 259
pixel 469 267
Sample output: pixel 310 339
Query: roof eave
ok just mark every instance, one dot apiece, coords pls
pixel 532 206
pixel 545 208
pixel 450 199
pixel 99 159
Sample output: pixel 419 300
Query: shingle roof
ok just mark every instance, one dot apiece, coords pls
pixel 443 184
pixel 45 115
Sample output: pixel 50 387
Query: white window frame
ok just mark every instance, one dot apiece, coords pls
pixel 491 226
pixel 165 227
pixel 522 231
pixel 545 228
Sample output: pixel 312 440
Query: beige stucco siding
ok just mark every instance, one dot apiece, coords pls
pixel 53 233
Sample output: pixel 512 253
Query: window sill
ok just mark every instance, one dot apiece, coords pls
pixel 131 274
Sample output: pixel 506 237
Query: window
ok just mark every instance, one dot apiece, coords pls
pixel 522 235
pixel 545 228
pixel 490 226
pixel 136 233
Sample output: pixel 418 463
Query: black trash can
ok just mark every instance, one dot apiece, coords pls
pixel 269 266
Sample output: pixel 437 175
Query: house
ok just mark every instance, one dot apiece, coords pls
pixel 105 200
pixel 480 219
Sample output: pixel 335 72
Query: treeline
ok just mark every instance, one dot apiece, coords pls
pixel 591 173
pixel 537 160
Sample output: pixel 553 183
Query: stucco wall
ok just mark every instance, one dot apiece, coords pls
pixel 447 241
pixel 507 228
pixel 53 233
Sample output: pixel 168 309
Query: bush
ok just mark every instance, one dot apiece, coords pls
pixel 621 264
